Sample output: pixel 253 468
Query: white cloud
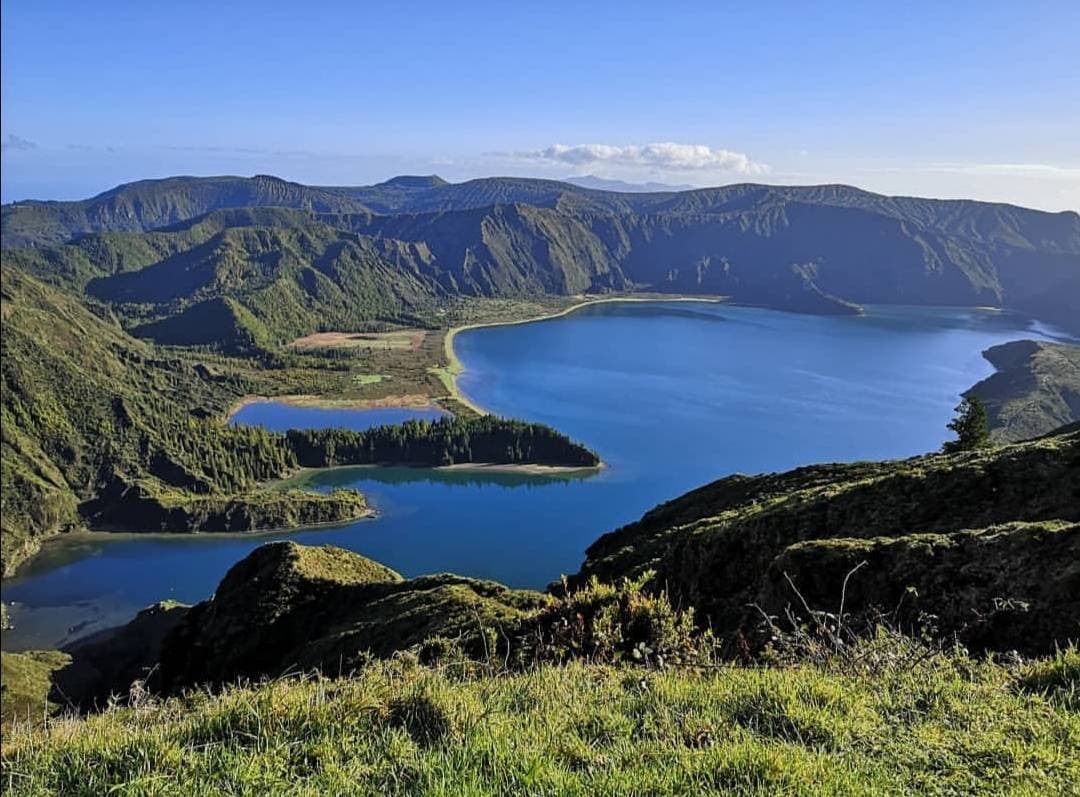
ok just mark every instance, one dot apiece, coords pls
pixel 663 156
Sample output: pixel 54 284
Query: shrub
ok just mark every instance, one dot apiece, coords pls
pixel 624 623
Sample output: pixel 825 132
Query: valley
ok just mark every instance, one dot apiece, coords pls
pixel 296 409
pixel 539 400
pixel 605 373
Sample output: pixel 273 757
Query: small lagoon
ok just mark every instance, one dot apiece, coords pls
pixel 280 417
pixel 671 394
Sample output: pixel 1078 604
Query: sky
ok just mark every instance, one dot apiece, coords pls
pixel 946 99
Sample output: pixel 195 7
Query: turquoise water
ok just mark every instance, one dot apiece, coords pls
pixel 672 395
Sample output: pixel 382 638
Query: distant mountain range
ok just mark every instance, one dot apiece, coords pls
pixel 290 255
pixel 602 184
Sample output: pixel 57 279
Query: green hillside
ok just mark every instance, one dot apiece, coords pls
pixel 320 671
pixel 147 204
pixel 241 279
pixel 968 531
pixel 94 420
pixel 1036 388
pixel 103 430
pixel 817 248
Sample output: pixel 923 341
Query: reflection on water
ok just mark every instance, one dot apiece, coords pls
pixel 333 478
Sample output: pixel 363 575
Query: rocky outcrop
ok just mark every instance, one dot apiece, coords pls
pixel 1014 586
pixel 290 608
pixel 718 547
pixel 1036 388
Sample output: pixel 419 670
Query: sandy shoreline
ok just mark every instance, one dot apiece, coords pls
pixel 455 368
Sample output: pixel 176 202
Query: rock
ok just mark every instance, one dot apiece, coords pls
pixel 291 608
pixel 713 548
pixel 1009 587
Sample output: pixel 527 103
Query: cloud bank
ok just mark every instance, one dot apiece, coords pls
pixel 662 156
pixel 1042 170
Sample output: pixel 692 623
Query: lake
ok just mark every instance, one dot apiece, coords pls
pixel 671 395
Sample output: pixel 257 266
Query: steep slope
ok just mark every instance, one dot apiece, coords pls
pixel 1035 390
pixel 726 546
pixel 292 281
pixel 105 430
pixel 816 248
pixel 288 607
pixel 94 420
pixel 504 250
pixel 243 279
pixel 1012 585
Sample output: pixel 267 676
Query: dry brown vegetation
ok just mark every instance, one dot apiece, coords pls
pixel 408 339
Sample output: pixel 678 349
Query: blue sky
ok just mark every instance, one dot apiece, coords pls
pixel 937 99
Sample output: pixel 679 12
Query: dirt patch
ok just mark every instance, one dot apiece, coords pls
pixel 402 340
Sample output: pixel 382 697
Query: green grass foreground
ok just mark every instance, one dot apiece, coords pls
pixel 881 721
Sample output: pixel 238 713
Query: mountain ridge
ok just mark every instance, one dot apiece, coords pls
pixel 824 249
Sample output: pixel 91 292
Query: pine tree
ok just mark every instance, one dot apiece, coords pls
pixel 971 425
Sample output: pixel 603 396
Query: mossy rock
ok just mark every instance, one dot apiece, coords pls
pixel 1015 586
pixel 288 608
pixel 713 547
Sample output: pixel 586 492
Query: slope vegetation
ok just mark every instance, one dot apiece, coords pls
pixel 105 430
pixel 939 725
pixel 94 421
pixel 942 524
pixel 816 249
pixel 147 204
pixel 1035 390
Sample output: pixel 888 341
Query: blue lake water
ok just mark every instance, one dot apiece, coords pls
pixel 280 417
pixel 672 395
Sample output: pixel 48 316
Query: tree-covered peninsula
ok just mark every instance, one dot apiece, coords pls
pixel 446 441
pixel 104 430
pixel 879 627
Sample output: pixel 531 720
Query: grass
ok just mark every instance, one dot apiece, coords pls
pixel 367 379
pixel 26 677
pixel 403 366
pixel 941 725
